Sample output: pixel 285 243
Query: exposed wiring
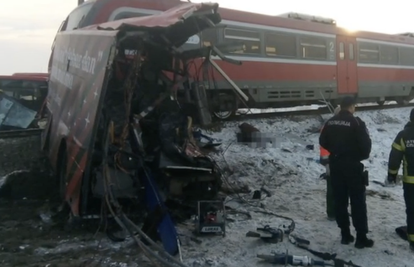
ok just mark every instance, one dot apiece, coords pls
pixel 123 221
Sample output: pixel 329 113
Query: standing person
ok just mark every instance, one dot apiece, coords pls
pixel 403 148
pixel 347 140
pixel 324 160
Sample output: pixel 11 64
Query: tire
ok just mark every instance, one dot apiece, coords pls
pixel 62 175
pixel 225 115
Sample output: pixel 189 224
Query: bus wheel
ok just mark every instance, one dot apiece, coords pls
pixel 62 175
pixel 225 106
pixel 381 103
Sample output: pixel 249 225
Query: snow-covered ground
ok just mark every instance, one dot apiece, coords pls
pixel 309 107
pixel 291 172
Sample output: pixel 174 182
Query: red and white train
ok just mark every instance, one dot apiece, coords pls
pixel 287 60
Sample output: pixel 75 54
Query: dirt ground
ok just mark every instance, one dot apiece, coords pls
pixel 28 235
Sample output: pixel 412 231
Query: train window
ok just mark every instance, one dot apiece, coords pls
pixel 341 51
pixel 249 41
pixel 313 47
pixel 368 53
pixel 280 45
pixel 407 56
pixel 209 37
pixel 389 54
pixel 351 51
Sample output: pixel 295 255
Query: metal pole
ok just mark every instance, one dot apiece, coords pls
pixel 238 90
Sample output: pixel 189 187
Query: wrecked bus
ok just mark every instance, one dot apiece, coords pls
pixel 115 130
pixel 225 96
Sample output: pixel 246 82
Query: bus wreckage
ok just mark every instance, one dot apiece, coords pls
pixel 116 135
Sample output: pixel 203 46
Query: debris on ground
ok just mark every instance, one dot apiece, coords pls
pixel 27 238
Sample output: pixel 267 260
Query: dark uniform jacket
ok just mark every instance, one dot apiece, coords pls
pixel 346 138
pixel 403 149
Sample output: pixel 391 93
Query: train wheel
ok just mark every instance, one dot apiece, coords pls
pixel 225 106
pixel 223 115
pixel 402 102
pixel 381 103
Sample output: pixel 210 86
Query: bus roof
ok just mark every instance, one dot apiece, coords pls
pixel 171 20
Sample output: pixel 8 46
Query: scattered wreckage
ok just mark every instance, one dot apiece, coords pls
pixel 118 139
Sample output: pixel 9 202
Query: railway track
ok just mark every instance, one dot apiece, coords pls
pixel 308 112
pixel 313 112
pixel 20 133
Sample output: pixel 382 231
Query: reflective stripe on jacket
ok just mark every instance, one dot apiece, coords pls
pixel 403 150
pixel 323 155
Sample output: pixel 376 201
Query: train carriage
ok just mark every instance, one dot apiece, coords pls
pixel 288 60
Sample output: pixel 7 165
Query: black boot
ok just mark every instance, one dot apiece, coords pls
pixel 412 245
pixel 347 238
pixel 363 242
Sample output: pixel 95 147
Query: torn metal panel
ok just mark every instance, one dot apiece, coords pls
pixel 173 164
pixel 174 26
pixel 15 114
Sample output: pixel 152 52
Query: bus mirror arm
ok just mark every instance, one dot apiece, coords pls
pixel 227 78
pixel 217 52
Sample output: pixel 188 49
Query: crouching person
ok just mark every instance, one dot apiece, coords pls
pixel 403 148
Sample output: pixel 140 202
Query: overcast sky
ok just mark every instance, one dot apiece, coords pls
pixel 27 27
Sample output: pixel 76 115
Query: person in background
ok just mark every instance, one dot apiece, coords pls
pixel 403 148
pixel 324 160
pixel 347 140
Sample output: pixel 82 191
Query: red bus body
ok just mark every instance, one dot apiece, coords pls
pixel 81 67
pixel 287 61
pixel 27 77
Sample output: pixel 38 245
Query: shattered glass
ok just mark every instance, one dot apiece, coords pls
pixel 15 114
pixel 5 106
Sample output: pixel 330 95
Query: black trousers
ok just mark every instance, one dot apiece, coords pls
pixel 348 184
pixel 409 209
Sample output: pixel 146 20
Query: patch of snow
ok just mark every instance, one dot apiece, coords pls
pixel 291 172
pixel 307 107
pixel 76 244
pixel 4 178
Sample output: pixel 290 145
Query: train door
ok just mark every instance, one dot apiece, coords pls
pixel 346 65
